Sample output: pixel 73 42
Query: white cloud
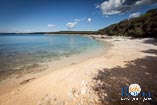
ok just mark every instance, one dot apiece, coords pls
pixel 111 7
pixel 71 25
pixel 143 2
pixel 89 20
pixel 51 25
pixel 97 6
pixel 133 15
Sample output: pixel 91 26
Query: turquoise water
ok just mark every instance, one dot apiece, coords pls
pixel 21 50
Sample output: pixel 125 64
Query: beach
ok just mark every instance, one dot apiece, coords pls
pixel 81 83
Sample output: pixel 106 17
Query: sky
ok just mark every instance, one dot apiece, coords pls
pixel 62 15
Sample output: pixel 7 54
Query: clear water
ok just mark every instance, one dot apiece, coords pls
pixel 21 50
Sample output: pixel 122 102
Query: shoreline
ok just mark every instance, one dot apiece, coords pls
pixel 72 84
pixel 17 79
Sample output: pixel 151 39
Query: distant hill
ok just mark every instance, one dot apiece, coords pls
pixel 143 26
pixel 59 32
pixel 71 32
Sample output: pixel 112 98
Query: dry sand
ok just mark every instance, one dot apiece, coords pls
pixel 72 84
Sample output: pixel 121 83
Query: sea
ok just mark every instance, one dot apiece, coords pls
pixel 20 52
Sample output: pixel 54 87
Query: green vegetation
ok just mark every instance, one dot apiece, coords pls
pixel 71 32
pixel 143 26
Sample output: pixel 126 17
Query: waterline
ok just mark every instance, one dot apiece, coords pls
pixel 20 53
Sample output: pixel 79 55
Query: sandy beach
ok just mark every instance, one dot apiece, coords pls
pixel 80 83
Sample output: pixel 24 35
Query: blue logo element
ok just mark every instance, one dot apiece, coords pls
pixel 133 92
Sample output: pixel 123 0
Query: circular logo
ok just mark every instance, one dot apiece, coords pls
pixel 134 89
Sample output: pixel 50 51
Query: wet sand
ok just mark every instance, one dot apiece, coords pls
pixel 77 83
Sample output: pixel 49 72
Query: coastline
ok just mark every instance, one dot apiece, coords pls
pixel 38 70
pixel 72 84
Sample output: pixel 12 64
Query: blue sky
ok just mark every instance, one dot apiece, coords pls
pixel 58 15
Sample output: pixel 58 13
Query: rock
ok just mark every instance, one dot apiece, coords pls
pixel 84 88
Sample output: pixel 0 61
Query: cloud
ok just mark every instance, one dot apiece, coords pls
pixel 71 25
pixel 133 15
pixel 144 2
pixel 51 25
pixel 97 6
pixel 111 7
pixel 89 20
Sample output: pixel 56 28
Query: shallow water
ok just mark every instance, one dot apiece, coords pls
pixel 19 51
